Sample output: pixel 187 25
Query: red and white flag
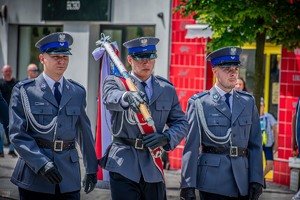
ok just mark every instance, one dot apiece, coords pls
pixel 103 134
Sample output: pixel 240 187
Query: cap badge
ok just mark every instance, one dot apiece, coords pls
pixel 232 51
pixel 144 42
pixel 62 37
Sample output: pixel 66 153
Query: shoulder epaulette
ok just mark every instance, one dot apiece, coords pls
pixel 76 83
pixel 163 79
pixel 199 95
pixel 24 82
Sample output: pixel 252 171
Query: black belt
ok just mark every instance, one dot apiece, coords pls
pixel 136 143
pixel 56 145
pixel 232 151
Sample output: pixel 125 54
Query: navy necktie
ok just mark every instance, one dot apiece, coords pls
pixel 57 93
pixel 146 91
pixel 227 95
pixel 144 84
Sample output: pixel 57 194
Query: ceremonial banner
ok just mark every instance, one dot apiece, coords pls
pixel 103 134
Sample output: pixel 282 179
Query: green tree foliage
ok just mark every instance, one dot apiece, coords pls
pixel 237 22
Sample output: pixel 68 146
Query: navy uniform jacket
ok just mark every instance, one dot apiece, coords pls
pixel 217 173
pixel 72 124
pixel 3 113
pixel 165 110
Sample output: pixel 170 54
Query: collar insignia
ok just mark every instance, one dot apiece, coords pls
pixel 43 86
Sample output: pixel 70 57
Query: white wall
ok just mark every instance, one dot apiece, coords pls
pixel 82 67
pixel 24 12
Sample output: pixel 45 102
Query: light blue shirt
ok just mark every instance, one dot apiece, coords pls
pixel 51 82
pixel 268 121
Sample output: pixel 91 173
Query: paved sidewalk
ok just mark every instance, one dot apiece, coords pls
pixel 10 191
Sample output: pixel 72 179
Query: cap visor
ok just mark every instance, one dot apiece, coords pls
pixel 59 52
pixel 228 64
pixel 144 56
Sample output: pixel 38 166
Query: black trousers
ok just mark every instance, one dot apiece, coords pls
pixel 211 196
pixel 123 189
pixel 30 195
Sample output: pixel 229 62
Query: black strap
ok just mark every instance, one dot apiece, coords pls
pixel 57 145
pixel 136 143
pixel 233 151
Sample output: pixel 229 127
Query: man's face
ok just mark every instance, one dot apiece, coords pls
pixel 33 71
pixel 226 77
pixel 142 68
pixel 7 73
pixel 54 65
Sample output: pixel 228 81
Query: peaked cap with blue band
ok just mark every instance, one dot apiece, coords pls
pixel 225 57
pixel 142 47
pixel 55 43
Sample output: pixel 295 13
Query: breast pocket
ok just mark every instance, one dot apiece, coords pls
pixel 217 125
pixel 163 109
pixel 245 123
pixel 43 114
pixel 72 112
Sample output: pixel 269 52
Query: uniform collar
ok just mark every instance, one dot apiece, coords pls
pixel 148 81
pixel 51 82
pixel 222 92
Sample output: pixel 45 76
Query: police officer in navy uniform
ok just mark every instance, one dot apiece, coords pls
pixel 47 120
pixel 133 173
pixel 222 156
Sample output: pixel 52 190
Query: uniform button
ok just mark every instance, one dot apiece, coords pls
pixel 217 122
pixel 74 112
pixel 233 135
pixel 58 138
pixel 59 125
